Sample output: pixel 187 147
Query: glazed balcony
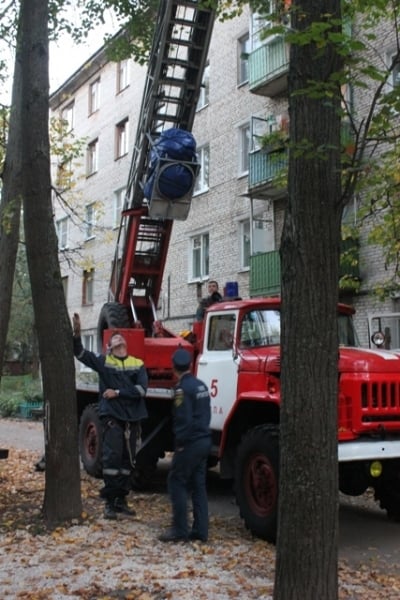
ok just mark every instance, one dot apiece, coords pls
pixel 269 67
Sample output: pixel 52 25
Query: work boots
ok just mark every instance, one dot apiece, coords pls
pixel 109 510
pixel 121 506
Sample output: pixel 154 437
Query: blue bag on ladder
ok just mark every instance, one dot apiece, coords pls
pixel 169 168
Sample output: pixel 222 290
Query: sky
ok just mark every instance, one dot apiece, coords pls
pixel 65 58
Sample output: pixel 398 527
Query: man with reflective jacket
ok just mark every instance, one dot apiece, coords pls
pixel 122 386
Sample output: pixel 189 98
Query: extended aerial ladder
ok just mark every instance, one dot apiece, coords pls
pixel 173 83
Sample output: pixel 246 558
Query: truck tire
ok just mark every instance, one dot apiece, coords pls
pixel 90 440
pixel 257 480
pixel 387 491
pixel 113 315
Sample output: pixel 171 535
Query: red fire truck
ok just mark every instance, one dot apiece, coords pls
pixel 236 349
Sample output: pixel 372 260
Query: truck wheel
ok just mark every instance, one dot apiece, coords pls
pixel 387 491
pixel 113 315
pixel 90 440
pixel 256 481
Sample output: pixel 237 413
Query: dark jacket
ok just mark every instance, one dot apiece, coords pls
pixel 128 375
pixel 192 411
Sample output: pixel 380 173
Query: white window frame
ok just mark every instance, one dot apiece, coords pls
pixel 394 79
pixel 88 342
pixel 92 157
pixel 88 287
pixel 204 96
pixel 62 226
pixel 68 115
pixel 244 148
pixel 94 96
pixel 245 243
pixel 64 281
pixel 90 221
pixel 123 75
pixel 118 204
pixel 202 181
pixel 122 141
pixel 199 252
pixel 243 59
pixel 260 22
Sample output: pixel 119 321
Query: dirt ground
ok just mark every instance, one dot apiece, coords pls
pixel 95 559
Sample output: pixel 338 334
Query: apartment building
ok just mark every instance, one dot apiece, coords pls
pixel 101 102
pixel 234 225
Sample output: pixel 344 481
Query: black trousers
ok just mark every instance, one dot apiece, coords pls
pixel 119 448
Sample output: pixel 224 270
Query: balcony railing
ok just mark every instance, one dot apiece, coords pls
pixel 265 271
pixel 265 274
pixel 266 172
pixel 268 68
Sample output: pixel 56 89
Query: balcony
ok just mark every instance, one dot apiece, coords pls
pixel 268 68
pixel 267 173
pixel 265 274
pixel 265 271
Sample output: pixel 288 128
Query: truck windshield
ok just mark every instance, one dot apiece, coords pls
pixel 263 328
pixel 260 328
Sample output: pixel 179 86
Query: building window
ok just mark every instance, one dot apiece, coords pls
pixel 94 96
pixel 92 157
pixel 243 58
pixel 244 148
pixel 67 115
pixel 64 282
pixel 394 64
pixel 245 243
pixel 87 287
pixel 119 197
pixel 62 233
pixel 204 96
pixel 90 220
pixel 200 252
pixel 260 22
pixel 88 344
pixel 122 75
pixel 203 155
pixel 64 175
pixel 121 138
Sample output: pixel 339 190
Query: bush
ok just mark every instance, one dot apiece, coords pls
pixel 9 405
pixel 16 390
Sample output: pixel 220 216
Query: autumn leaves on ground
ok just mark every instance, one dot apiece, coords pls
pixel 98 559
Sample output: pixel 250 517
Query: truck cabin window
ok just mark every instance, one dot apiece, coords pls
pixel 221 332
pixel 346 331
pixel 263 328
pixel 260 328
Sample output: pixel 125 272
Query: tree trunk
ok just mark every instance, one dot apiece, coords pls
pixel 307 543
pixel 10 207
pixel 62 493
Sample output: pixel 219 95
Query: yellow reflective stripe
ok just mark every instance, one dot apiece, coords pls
pixel 131 362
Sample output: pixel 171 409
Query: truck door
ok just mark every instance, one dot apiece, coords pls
pixel 217 366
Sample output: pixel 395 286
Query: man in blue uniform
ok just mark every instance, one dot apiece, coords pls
pixel 122 385
pixel 191 427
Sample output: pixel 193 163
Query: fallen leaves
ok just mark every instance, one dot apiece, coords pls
pixel 103 560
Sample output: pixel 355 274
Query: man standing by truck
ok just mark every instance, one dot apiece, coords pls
pixel 122 386
pixel 191 427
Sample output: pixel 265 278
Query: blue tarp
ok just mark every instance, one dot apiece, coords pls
pixel 174 178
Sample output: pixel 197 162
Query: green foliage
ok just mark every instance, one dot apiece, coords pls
pixel 349 279
pixel 16 390
pixel 9 405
